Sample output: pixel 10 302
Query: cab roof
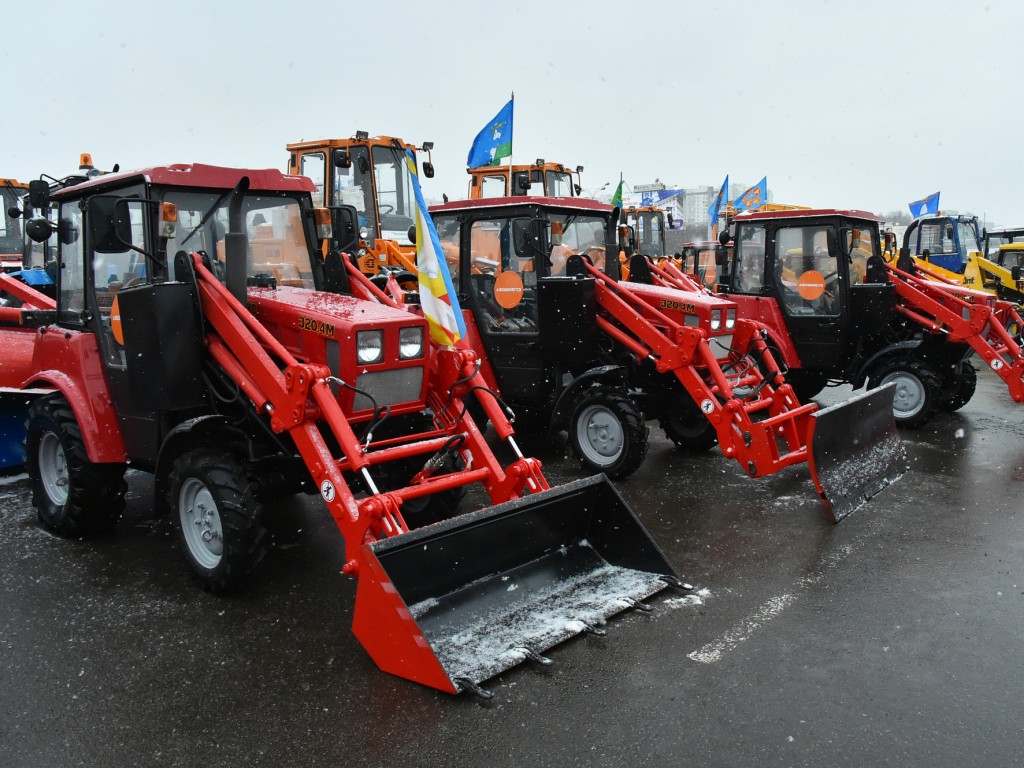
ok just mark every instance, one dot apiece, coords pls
pixel 806 213
pixel 575 203
pixel 196 175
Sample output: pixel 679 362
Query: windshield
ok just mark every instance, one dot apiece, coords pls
pixel 395 200
pixel 279 240
pixel 352 186
pixel 580 234
pixel 559 184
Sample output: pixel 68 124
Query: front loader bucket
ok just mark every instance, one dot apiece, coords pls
pixel 856 450
pixel 455 603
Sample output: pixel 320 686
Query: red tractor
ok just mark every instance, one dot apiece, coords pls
pixel 568 345
pixel 815 283
pixel 200 334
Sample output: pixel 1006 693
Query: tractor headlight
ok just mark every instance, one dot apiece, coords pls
pixel 716 319
pixel 410 343
pixel 730 319
pixel 370 346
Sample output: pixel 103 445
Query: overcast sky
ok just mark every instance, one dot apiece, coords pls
pixel 840 104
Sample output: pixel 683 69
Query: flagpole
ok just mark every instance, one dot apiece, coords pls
pixel 511 147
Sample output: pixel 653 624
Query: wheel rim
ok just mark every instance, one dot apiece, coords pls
pixel 200 523
pixel 53 468
pixel 910 396
pixel 599 435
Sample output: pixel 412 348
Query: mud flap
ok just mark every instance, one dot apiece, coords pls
pixel 455 603
pixel 856 450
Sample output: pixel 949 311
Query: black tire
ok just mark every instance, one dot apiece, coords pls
pixel 688 428
pixel 72 495
pixel 918 390
pixel 608 433
pixel 806 384
pixel 960 388
pixel 218 515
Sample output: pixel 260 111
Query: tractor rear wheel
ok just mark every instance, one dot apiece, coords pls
pixel 960 388
pixel 218 516
pixel 918 390
pixel 608 433
pixel 72 495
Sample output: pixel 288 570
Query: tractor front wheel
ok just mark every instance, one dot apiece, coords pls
pixel 608 433
pixel 918 390
pixel 960 388
pixel 688 428
pixel 72 495
pixel 218 516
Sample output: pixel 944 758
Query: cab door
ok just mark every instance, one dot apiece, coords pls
pixel 808 277
pixel 502 292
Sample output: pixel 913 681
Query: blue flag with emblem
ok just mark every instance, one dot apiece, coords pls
pixel 928 204
pixel 753 198
pixel 495 141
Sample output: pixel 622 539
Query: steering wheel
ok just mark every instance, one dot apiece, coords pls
pixel 383 206
pixel 132 281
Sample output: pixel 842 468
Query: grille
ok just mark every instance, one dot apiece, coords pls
pixel 389 387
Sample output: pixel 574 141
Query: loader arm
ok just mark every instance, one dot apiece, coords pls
pixel 964 315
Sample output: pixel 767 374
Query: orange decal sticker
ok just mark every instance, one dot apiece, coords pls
pixel 508 289
pixel 115 322
pixel 811 285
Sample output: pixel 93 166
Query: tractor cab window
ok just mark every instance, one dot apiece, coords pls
pixel 969 239
pixel 582 235
pixel 806 270
pixel 313 165
pixel 650 237
pixel 112 271
pixel 861 244
pixel 448 229
pixel 396 203
pixel 749 267
pixel 559 184
pixel 277 231
pixel 937 237
pixel 353 186
pixel 503 276
pixel 493 186
pixel 71 275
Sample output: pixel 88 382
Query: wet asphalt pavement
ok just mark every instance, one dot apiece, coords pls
pixel 893 638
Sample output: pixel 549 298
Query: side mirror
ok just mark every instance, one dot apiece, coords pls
pixel 345 225
pixel 411 234
pixel 1015 272
pixel 14 212
pixel 428 169
pixel 38 193
pixel 724 237
pixel 721 257
pixel 38 230
pixel 110 228
pixel 522 184
pixel 341 158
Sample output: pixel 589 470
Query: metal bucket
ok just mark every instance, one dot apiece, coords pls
pixel 856 450
pixel 455 603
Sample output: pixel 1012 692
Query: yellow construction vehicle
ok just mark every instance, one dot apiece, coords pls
pixel 371 174
pixel 541 178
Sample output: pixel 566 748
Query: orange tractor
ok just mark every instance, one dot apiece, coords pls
pixel 371 175
pixel 201 335
pixel 543 178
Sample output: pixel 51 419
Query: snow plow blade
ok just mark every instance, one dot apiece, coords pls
pixel 455 603
pixel 856 450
